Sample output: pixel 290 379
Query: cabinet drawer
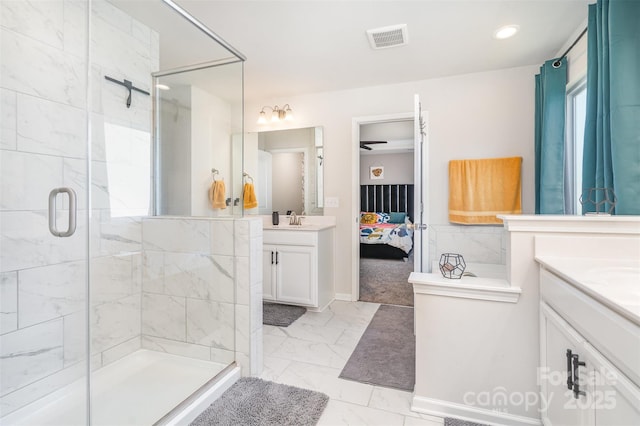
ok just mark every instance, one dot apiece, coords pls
pixel 297 238
pixel 614 336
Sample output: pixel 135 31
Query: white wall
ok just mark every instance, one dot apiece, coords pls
pixel 398 168
pixel 480 115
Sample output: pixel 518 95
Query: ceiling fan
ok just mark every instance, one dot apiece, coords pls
pixel 364 144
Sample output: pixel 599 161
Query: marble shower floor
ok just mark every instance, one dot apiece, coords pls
pixel 311 353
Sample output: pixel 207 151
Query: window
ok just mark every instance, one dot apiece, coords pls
pixel 576 114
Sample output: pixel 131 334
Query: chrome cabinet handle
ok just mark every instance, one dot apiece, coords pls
pixel 53 195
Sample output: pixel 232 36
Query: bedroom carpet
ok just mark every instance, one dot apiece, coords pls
pixel 256 402
pixel 385 281
pixel 386 352
pixel 281 315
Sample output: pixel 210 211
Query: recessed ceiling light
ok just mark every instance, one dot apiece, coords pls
pixel 506 32
pixel 163 86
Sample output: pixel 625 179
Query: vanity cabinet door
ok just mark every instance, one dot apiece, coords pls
pixel 559 343
pixel 296 274
pixel 615 398
pixel 268 272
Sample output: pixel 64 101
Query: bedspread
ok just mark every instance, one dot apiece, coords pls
pixel 394 234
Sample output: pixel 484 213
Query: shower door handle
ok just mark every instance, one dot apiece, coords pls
pixel 53 227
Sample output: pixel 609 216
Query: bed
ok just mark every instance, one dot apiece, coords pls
pixel 386 210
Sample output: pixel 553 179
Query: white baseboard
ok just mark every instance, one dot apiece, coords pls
pixel 439 408
pixel 190 413
pixel 344 296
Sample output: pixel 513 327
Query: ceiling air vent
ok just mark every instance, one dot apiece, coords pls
pixel 394 35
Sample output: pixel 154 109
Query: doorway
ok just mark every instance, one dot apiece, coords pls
pixel 386 194
pixel 419 216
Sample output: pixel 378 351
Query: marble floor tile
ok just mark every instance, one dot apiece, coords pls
pixel 394 400
pixel 311 353
pixel 325 380
pixel 272 330
pixel 416 421
pixel 343 413
pixel 313 333
pixel 270 343
pixel 272 367
pixel 316 318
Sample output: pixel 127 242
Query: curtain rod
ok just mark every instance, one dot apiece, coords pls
pixel 558 61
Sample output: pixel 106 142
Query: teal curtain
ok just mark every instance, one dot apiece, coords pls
pixel 550 137
pixel 612 128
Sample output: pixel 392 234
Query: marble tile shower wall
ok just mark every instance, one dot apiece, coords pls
pixel 43 123
pixel 477 244
pixel 202 289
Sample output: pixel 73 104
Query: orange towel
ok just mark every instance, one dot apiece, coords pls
pixel 249 196
pixel 481 189
pixel 217 195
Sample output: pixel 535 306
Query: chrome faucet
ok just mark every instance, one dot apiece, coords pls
pixel 295 220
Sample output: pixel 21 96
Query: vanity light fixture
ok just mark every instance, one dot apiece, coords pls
pixel 277 113
pixel 506 32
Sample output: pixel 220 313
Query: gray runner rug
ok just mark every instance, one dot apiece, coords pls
pixel 448 421
pixel 256 402
pixel 281 315
pixel 386 352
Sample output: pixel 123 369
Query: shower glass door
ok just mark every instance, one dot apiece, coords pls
pixel 162 301
pixel 43 210
pixel 94 318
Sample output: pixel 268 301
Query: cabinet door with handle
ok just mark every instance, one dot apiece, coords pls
pixel 615 398
pixel 296 274
pixel 560 345
pixel 268 272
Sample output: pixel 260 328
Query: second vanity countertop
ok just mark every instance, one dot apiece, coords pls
pixel 612 282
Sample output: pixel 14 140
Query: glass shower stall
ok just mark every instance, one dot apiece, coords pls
pixel 112 313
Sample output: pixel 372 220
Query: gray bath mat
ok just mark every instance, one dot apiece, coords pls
pixel 257 402
pixel 448 421
pixel 386 353
pixel 281 315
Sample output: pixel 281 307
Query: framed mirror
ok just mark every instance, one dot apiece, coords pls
pixel 288 166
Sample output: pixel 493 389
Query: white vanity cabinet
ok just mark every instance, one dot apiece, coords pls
pixel 579 384
pixel 298 267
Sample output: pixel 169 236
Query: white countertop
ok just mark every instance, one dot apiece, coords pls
pixel 303 227
pixel 612 282
pixel 309 223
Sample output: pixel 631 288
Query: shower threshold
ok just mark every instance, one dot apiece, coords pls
pixel 138 389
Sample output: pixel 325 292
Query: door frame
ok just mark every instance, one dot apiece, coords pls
pixel 355 189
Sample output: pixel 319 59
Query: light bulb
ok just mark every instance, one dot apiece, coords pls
pixel 288 114
pixel 262 119
pixel 506 32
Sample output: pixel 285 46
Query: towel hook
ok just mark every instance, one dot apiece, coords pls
pixel 248 176
pixel 214 172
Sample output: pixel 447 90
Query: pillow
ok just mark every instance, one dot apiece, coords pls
pixel 397 217
pixel 370 218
